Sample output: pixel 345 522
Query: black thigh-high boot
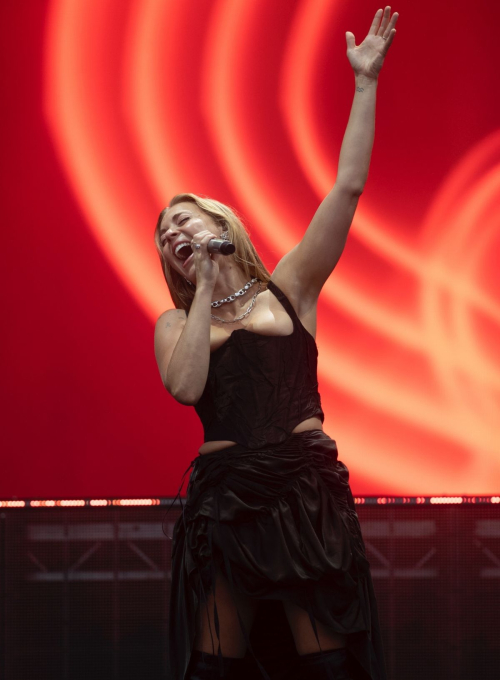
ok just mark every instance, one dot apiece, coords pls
pixel 334 664
pixel 204 666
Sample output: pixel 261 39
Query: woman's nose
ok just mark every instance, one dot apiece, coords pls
pixel 172 231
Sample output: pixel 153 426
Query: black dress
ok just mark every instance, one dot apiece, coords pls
pixel 274 512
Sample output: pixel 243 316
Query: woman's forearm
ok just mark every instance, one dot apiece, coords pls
pixel 188 368
pixel 356 149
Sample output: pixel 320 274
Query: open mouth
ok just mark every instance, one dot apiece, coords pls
pixel 186 262
pixel 183 250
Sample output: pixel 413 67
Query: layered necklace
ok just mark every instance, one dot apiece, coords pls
pixel 232 298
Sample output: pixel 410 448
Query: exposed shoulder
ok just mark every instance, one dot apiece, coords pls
pixel 170 318
pixel 290 286
pixel 305 308
pixel 168 327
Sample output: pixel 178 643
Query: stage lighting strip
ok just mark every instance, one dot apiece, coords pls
pixel 358 500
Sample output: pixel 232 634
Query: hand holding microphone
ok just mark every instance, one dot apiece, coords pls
pixel 221 246
pixel 207 268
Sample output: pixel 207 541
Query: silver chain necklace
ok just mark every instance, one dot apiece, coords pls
pixel 250 307
pixel 232 298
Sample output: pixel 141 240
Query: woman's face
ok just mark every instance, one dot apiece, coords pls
pixel 180 223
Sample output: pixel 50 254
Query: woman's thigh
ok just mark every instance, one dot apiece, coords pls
pixel 232 640
pixel 303 633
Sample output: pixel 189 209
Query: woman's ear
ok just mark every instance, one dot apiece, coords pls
pixel 224 230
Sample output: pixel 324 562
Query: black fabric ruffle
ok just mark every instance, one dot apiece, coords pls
pixel 281 524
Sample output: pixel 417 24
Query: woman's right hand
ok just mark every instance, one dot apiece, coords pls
pixel 206 264
pixel 179 338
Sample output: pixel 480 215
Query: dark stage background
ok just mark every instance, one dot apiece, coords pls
pixel 110 107
pixel 85 591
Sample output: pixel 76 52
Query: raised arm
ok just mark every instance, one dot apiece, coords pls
pixel 304 270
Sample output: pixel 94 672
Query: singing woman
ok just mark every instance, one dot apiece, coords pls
pixel 269 573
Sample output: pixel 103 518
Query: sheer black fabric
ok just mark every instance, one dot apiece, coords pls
pixel 280 523
pixel 260 387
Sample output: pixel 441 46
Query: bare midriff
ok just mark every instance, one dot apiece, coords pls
pixel 309 424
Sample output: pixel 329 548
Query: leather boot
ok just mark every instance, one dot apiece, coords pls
pixel 204 666
pixel 334 664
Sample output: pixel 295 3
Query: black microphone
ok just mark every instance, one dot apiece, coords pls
pixel 220 246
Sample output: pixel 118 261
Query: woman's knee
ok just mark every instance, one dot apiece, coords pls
pixel 303 632
pixel 232 639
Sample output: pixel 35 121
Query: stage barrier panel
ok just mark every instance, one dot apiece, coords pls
pixel 84 590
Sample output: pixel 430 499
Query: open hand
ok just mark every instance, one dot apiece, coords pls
pixel 367 59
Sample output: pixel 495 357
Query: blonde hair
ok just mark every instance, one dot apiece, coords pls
pixel 245 256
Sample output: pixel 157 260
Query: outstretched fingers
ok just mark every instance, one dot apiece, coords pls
pixel 375 23
pixel 392 25
pixel 382 29
pixel 386 28
pixel 351 40
pixel 383 24
pixel 389 33
pixel 389 40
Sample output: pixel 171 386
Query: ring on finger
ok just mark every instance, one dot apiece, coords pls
pixel 196 245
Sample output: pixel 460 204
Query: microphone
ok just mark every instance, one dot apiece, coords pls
pixel 220 246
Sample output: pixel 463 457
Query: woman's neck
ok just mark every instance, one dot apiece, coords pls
pixel 231 278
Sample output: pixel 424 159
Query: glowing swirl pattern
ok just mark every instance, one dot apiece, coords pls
pixel 227 98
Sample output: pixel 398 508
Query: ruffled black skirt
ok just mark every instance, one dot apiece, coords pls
pixel 281 524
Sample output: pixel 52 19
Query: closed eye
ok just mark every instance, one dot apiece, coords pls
pixel 163 237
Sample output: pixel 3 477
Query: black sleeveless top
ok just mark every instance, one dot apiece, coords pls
pixel 260 387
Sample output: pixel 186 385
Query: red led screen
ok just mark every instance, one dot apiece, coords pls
pixel 113 107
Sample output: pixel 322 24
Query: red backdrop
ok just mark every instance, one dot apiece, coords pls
pixel 111 107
